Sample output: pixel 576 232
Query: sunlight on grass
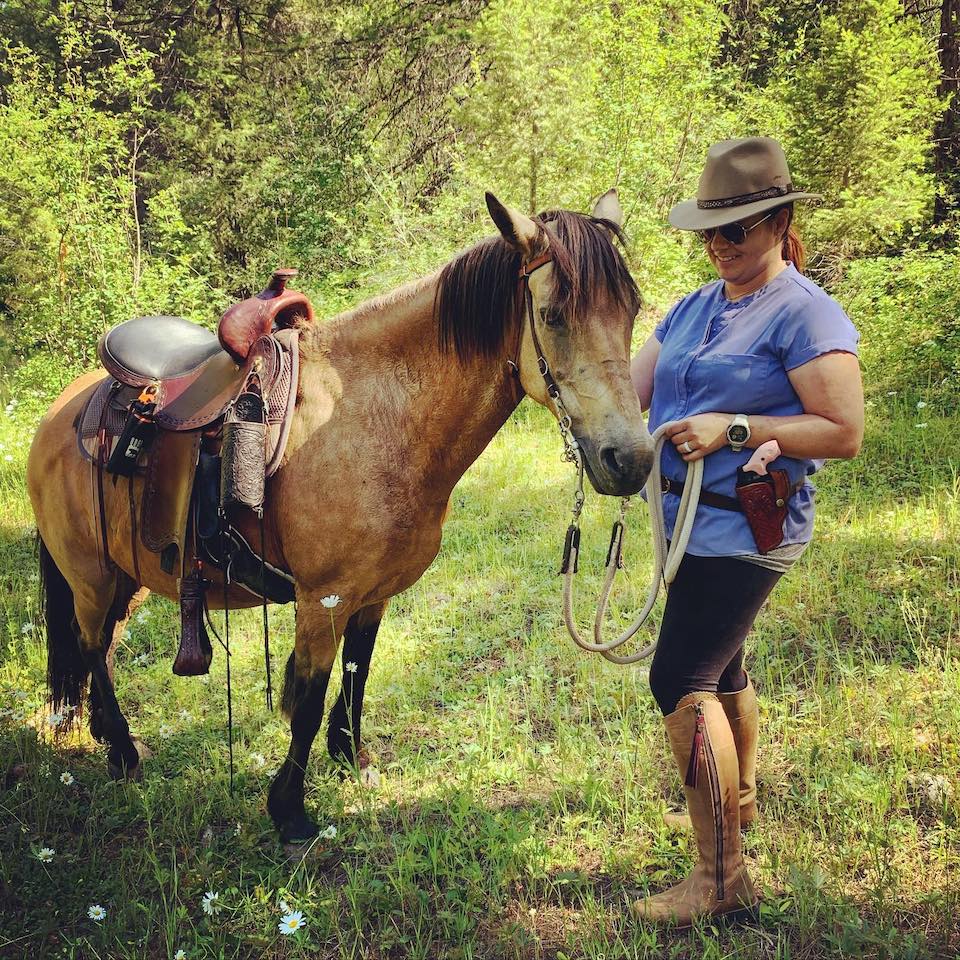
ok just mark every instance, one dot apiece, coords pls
pixel 522 782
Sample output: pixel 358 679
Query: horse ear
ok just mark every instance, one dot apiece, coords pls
pixel 608 208
pixel 518 230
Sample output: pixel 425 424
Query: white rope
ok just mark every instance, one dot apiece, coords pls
pixel 665 561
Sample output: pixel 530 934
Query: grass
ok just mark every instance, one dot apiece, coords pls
pixel 522 782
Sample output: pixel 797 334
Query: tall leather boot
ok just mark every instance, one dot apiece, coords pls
pixel 704 751
pixel 744 717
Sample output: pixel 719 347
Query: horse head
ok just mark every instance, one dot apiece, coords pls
pixel 579 316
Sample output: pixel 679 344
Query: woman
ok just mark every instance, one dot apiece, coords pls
pixel 760 354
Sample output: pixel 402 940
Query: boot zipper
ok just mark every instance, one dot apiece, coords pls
pixel 702 741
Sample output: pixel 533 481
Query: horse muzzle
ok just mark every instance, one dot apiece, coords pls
pixel 617 469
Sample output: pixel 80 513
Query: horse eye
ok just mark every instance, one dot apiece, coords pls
pixel 551 318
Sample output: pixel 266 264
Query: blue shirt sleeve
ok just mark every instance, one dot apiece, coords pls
pixel 814 328
pixel 660 331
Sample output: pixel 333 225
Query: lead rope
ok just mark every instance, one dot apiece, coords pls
pixel 666 560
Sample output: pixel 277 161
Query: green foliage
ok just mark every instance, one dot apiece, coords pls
pixel 908 311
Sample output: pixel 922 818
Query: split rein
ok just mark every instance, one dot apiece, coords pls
pixel 666 559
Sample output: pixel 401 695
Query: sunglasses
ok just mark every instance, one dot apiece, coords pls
pixel 733 232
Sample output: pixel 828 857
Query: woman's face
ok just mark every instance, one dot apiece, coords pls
pixel 740 263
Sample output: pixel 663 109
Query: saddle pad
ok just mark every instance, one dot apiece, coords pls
pixel 88 423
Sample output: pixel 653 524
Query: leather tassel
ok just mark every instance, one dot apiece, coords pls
pixel 693 768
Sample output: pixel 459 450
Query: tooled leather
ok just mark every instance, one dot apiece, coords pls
pixel 765 507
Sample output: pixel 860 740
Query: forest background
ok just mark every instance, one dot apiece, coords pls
pixel 162 157
pixel 165 157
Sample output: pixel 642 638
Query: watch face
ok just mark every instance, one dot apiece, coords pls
pixel 737 433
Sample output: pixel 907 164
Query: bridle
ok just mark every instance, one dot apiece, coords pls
pixel 666 559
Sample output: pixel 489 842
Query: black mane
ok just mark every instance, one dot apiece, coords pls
pixel 479 297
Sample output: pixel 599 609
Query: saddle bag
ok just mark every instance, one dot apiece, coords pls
pixel 764 503
pixel 138 433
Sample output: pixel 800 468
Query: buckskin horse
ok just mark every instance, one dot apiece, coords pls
pixel 397 398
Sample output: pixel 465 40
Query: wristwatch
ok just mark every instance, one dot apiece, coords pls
pixel 738 433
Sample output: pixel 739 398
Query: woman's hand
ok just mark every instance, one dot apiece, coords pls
pixel 700 434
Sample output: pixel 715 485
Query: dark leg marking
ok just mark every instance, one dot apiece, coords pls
pixel 118 613
pixel 122 756
pixel 303 702
pixel 343 732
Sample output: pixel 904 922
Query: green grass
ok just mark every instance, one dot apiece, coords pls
pixel 522 782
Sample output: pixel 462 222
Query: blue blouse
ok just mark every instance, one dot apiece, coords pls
pixel 719 355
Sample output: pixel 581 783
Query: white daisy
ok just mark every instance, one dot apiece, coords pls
pixel 26 628
pixel 9 458
pixel 185 715
pixel 284 906
pixel 291 923
pixel 921 404
pixel 96 912
pixel 350 667
pixel 45 854
pixel 66 778
pixel 331 601
pixel 920 426
pixel 166 732
pixel 211 904
pixel 329 833
pixel 54 720
pixel 181 954
pixel 258 760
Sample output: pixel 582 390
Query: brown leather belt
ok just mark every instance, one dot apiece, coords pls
pixel 712 499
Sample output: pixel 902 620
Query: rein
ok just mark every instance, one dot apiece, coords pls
pixel 666 559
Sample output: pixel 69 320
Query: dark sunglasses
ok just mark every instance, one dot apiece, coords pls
pixel 733 232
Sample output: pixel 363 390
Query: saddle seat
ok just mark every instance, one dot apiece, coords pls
pixel 148 349
pixel 196 373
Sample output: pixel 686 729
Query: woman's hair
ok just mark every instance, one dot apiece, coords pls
pixel 793 248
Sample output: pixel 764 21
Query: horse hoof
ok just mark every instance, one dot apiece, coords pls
pixel 298 829
pixel 120 771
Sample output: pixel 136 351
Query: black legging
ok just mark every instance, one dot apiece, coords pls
pixel 710 608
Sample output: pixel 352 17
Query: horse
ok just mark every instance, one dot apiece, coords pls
pixel 397 398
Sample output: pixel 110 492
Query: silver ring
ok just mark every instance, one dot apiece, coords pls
pixel 686 447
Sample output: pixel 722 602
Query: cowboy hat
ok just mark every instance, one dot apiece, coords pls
pixel 740 178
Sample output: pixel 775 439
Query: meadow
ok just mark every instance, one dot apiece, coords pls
pixel 519 788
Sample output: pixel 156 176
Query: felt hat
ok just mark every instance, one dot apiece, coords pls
pixel 740 178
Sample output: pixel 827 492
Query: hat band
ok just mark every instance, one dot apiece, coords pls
pixel 744 198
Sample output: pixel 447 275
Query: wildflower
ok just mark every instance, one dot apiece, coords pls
pixel 9 458
pixel 258 760
pixel 921 404
pixel 141 660
pixel 284 906
pixel 96 912
pixel 66 778
pixel 26 628
pixel 891 393
pixel 350 667
pixel 165 731
pixel 329 833
pixel 181 954
pixel 185 715
pixel 45 854
pixel 236 830
pixel 920 426
pixel 211 903
pixel 330 602
pixel 291 923
pixel 55 719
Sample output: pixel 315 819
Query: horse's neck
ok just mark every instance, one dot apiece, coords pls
pixel 438 413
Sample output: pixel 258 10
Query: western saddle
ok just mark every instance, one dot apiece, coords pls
pixel 204 419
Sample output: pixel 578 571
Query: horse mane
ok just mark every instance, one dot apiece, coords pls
pixel 479 297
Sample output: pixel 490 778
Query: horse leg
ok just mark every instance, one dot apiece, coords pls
pixel 304 692
pixel 126 598
pixel 93 613
pixel 343 731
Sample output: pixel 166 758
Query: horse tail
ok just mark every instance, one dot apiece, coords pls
pixel 67 674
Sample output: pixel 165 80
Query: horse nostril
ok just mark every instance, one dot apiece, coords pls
pixel 608 457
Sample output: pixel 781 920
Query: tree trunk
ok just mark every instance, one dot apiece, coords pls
pixel 947 137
